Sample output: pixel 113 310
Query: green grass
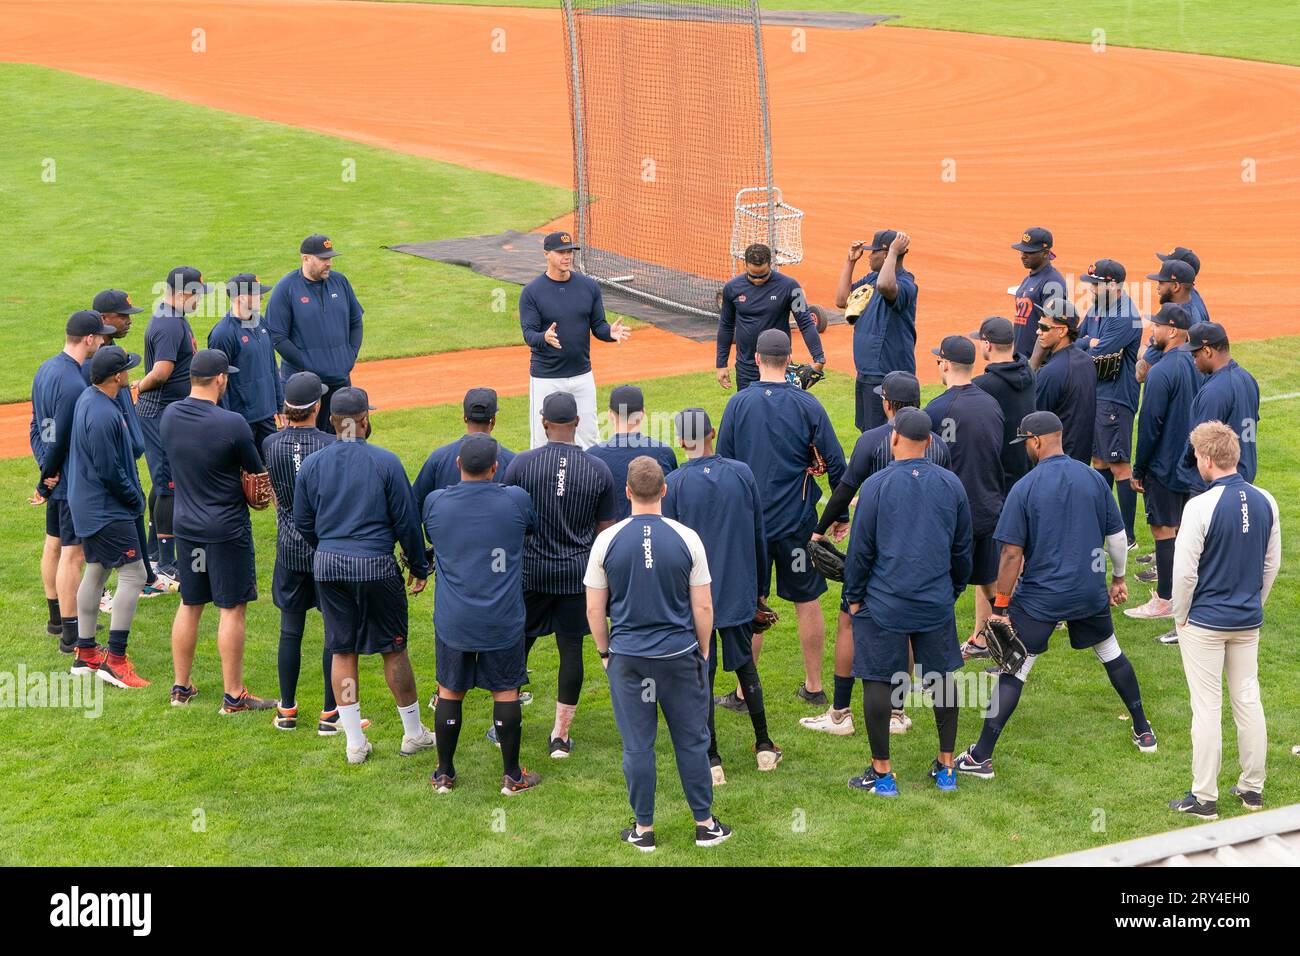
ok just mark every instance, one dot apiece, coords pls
pixel 190 787
pixel 143 183
pixel 1259 30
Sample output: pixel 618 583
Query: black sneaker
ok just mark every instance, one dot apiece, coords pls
pixel 1148 575
pixel 808 697
pixel 965 763
pixel 1249 798
pixel 560 749
pixel 732 701
pixel 1145 742
pixel 67 648
pixel 1132 544
pixel 711 836
pixel 1145 558
pixel 645 842
pixel 1189 804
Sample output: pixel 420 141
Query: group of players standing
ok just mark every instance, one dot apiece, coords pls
pixel 662 564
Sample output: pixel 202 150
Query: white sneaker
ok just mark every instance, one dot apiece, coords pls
pixel 719 778
pixel 359 754
pixel 1154 608
pixel 106 601
pixel 837 722
pixel 899 722
pixel 413 745
pixel 525 698
pixel 1169 637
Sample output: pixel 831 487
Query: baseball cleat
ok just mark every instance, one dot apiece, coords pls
pixel 1154 608
pixel 121 673
pixel 899 722
pixel 560 749
pixel 836 722
pixel 422 741
pixel 816 698
pixel 645 842
pixel 1249 798
pixel 768 755
pixel 965 763
pixel 711 835
pixel 527 781
pixel 1190 805
pixel 183 695
pixel 441 783
pixel 945 778
pixel 1145 742
pixel 732 701
pixel 327 725
pixel 360 754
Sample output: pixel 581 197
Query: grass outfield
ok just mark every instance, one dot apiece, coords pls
pixel 144 182
pixel 190 787
pixel 1259 30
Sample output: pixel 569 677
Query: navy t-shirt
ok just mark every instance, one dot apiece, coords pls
pixel 578 311
pixel 1061 514
pixel 477 529
pixel 1035 289
pixel 207 446
pixel 649 564
pixel 884 335
pixel 168 338
pixel 441 471
pixel 970 419
pixel 618 453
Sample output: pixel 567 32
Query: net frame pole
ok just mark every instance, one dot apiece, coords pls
pixel 579 153
pixel 767 125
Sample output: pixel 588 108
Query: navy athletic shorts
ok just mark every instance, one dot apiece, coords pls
pixel 292 590
pixel 462 671
pixel 1112 437
pixel 737 649
pixel 1164 508
pixel 115 544
pixel 984 561
pixel 364 617
pixel 881 655
pixel 58 521
pixel 1085 632
pixel 562 614
pixel 223 573
pixel 796 578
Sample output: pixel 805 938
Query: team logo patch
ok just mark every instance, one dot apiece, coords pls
pixel 131 553
pixel 564 237
pixel 399 640
pixel 304 300
pixel 328 243
pixel 243 338
pixel 1024 237
pixel 740 298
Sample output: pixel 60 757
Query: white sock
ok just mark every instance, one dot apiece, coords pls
pixel 410 715
pixel 350 718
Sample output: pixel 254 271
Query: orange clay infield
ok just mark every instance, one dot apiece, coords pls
pixel 960 140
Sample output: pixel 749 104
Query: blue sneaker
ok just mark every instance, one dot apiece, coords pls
pixel 881 784
pixel 945 778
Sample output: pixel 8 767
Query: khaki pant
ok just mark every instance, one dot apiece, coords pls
pixel 1206 654
pixel 583 389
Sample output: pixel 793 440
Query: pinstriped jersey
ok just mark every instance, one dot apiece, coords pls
pixel 571 492
pixel 284 452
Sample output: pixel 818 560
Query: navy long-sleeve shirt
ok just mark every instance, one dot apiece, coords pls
pixel 1231 396
pixel 352 498
pixel 749 309
pixel 128 412
pixel 103 481
pixel 1195 307
pixel 441 471
pixel 969 419
pixel 208 446
pixel 1067 386
pixel 256 392
pixel 1118 329
pixel 770 426
pixel 884 335
pixel 578 311
pixel 618 453
pixel 718 499
pixel 55 390
pixel 1164 420
pixel 315 325
pixel 910 549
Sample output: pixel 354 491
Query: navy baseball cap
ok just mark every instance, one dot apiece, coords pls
pixel 1105 270
pixel 303 390
pixel 350 401
pixel 209 362
pixel 477 453
pixel 772 342
pixel 1204 333
pixel 900 387
pixel 912 423
pixel 187 279
pixel 88 322
pixel 1035 239
pixel 1171 313
pixel 882 239
pixel 626 399
pixel 692 424
pixel 246 284
pixel 560 408
pixel 956 348
pixel 110 360
pixel 115 301
pixel 1061 311
pixel 322 247
pixel 1175 270
pixel 559 242
pixel 480 405
pixel 1035 424
pixel 1182 254
pixel 995 330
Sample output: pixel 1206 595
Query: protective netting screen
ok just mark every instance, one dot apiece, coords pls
pixel 669 124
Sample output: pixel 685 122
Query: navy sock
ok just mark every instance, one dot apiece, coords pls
pixel 289 659
pixel 1128 506
pixel 446 727
pixel 56 619
pixel 167 552
pixel 843 699
pixel 117 643
pixel 327 666
pixel 1165 568
pixel 1124 680
pixel 508 716
pixel 996 718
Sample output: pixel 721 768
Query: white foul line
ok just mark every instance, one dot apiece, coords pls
pixel 1280 398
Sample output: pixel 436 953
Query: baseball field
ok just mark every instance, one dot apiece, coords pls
pixel 130 150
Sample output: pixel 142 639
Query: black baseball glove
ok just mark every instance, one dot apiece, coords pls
pixel 764 617
pixel 1004 644
pixel 805 376
pixel 827 558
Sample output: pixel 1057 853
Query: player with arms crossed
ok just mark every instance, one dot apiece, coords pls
pixel 1053 569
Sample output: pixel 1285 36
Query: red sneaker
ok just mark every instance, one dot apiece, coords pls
pixel 120 672
pixel 89 659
